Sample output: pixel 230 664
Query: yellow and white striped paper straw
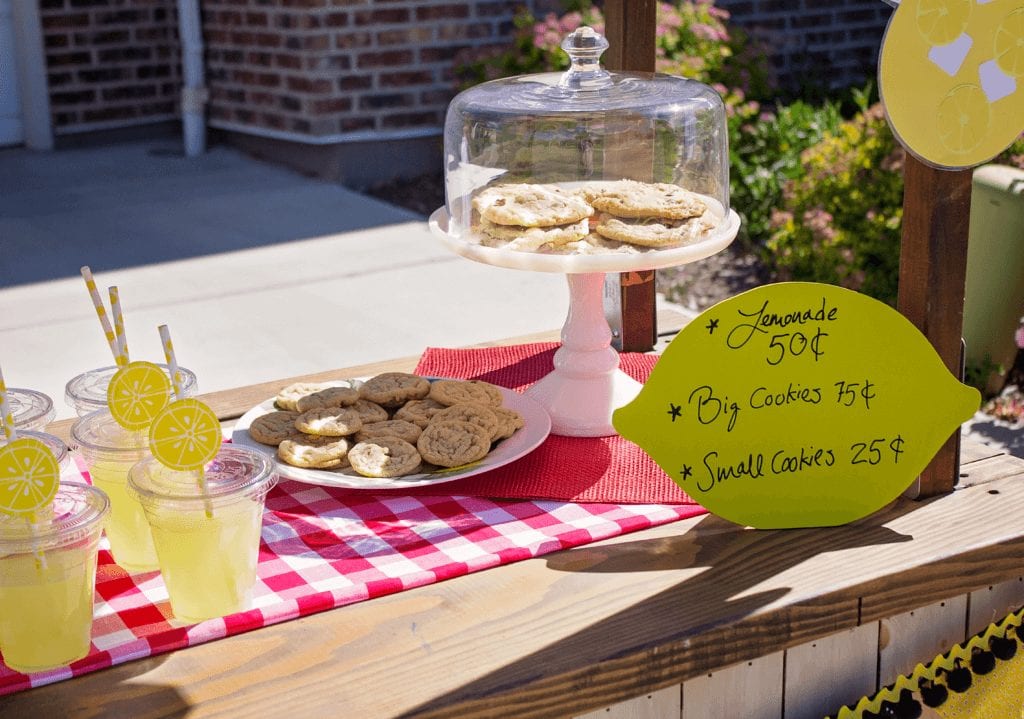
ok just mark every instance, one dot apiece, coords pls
pixel 101 311
pixel 172 362
pixel 6 417
pixel 122 341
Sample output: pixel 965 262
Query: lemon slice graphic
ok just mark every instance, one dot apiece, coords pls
pixel 137 392
pixel 942 21
pixel 185 435
pixel 1009 44
pixel 963 118
pixel 29 476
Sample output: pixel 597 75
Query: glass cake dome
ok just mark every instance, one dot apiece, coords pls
pixel 588 162
pixel 586 172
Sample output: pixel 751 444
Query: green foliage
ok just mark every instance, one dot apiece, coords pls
pixel 979 373
pixel 840 221
pixel 840 214
pixel 765 152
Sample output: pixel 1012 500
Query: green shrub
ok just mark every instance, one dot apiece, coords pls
pixel 765 152
pixel 840 219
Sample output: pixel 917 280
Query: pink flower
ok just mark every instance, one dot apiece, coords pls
pixel 703 31
pixel 668 18
pixel 570 22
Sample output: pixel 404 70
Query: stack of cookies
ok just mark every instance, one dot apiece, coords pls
pixel 647 214
pixel 528 217
pixel 392 425
pixel 598 217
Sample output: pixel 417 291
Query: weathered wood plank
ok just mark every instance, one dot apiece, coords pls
pixel 752 690
pixel 631 39
pixel 917 636
pixel 991 604
pixel 932 279
pixel 972 451
pixel 662 704
pixel 987 470
pixel 823 675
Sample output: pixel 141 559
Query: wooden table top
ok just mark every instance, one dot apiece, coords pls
pixel 580 629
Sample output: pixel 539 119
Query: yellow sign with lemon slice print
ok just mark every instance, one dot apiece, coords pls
pixel 950 76
pixel 137 393
pixel 185 435
pixel 796 404
pixel 29 476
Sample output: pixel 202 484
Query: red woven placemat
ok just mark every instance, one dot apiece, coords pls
pixel 577 469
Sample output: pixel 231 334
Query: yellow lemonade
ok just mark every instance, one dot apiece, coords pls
pixel 46 607
pixel 131 542
pixel 208 562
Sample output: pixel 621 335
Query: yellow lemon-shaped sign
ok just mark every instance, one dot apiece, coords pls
pixel 951 74
pixel 796 405
pixel 185 435
pixel 29 476
pixel 136 394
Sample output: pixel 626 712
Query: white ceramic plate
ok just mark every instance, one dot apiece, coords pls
pixel 536 426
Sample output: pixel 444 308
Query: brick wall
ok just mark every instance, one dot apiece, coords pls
pixel 110 64
pixel 340 68
pixel 816 44
pixel 327 70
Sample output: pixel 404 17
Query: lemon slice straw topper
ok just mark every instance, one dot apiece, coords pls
pixel 137 393
pixel 185 434
pixel 29 473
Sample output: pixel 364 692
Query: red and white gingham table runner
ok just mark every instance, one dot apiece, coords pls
pixel 321 550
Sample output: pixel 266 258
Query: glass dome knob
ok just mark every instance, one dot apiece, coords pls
pixel 584 46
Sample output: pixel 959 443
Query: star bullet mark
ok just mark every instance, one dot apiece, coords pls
pixel 712 325
pixel 686 471
pixel 674 410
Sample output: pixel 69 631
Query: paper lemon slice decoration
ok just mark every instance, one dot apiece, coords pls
pixel 1009 49
pixel 942 21
pixel 960 62
pixel 29 476
pixel 185 435
pixel 137 393
pixel 795 405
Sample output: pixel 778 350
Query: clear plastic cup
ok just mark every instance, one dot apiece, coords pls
pixel 31 410
pixel 208 545
pixel 110 451
pixel 55 443
pixel 88 391
pixel 47 579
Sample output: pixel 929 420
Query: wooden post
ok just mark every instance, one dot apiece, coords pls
pixel 630 31
pixel 933 271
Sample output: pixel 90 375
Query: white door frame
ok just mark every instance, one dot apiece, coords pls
pixel 30 65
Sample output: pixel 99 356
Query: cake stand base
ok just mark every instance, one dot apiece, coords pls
pixel 586 384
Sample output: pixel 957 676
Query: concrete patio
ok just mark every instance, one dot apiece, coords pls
pixel 259 272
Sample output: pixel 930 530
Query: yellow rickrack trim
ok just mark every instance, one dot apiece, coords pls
pixel 947 661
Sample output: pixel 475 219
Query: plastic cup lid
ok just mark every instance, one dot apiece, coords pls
pixel 31 409
pixel 99 432
pixel 88 391
pixel 72 517
pixel 235 471
pixel 55 443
